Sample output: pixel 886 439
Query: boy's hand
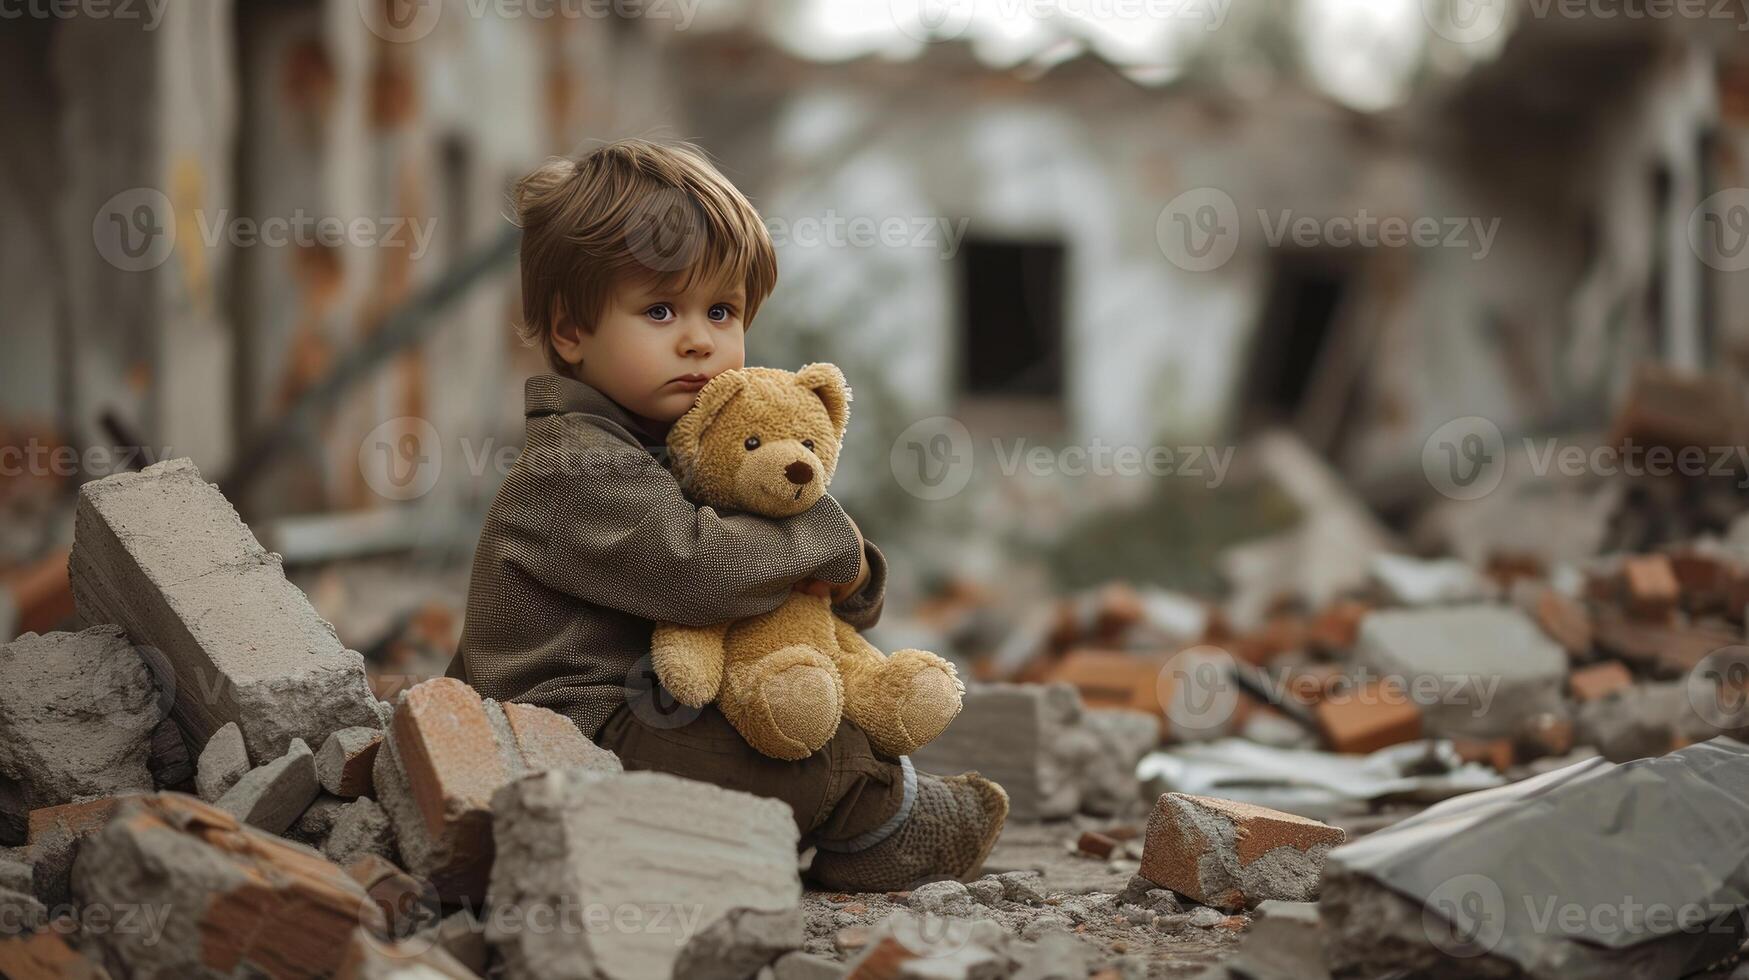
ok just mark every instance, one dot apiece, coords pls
pixel 838 592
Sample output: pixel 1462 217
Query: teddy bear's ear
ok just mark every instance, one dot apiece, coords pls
pixel 824 379
pixel 687 435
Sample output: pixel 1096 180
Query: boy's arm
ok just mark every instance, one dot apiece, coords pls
pixel 619 533
pixel 863 609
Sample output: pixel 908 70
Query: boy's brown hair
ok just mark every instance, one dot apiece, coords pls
pixel 631 210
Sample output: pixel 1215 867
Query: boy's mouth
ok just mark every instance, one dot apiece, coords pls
pixel 691 382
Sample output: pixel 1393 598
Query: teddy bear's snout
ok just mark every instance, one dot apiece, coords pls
pixel 799 472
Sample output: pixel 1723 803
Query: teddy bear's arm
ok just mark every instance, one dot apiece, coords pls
pixel 689 660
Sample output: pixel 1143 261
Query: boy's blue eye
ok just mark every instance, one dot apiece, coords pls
pixel 720 312
pixel 660 311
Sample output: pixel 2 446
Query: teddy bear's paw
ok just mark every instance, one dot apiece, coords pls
pixel 926 696
pixel 794 711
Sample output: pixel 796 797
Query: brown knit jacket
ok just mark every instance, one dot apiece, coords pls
pixel 590 542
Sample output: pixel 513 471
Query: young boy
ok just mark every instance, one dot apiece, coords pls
pixel 642 268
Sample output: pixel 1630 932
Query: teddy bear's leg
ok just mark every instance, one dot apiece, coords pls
pixel 785 703
pixel 688 660
pixel 902 701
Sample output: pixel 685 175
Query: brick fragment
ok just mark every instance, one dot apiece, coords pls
pixel 1565 620
pixel 55 834
pixel 1650 586
pixel 1495 752
pixel 45 956
pixel 273 796
pixel 344 762
pixel 1233 855
pixel 1095 843
pixel 1368 717
pixel 235 901
pixel 1598 681
pixel 446 752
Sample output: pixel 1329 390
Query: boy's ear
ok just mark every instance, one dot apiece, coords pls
pixel 824 379
pixel 687 436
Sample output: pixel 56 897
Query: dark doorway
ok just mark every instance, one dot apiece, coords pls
pixel 1011 315
pixel 1306 292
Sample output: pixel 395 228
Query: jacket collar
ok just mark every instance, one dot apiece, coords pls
pixel 552 394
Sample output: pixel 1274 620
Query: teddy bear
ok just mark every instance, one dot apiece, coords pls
pixel 765 441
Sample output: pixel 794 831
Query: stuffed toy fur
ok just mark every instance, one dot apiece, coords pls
pixel 766 441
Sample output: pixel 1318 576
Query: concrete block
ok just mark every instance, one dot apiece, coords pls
pixel 711 874
pixel 228 900
pixel 222 762
pixel 446 752
pixel 343 765
pixel 163 554
pixel 77 711
pixel 273 796
pixel 1411 581
pixel 1027 738
pixel 1474 670
pixel 1233 855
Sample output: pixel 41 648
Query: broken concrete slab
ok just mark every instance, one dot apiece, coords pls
pixel 1593 870
pixel 1052 756
pixel 163 554
pixel 709 872
pixel 213 897
pixel 77 712
pixel 1475 670
pixel 222 762
pixel 344 762
pixel 273 796
pixel 317 821
pixel 446 752
pixel 1232 855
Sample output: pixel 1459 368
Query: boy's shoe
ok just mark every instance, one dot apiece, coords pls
pixel 953 825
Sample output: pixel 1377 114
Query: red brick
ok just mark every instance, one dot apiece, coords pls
pixel 1338 626
pixel 1665 650
pixel 1650 586
pixel 1113 679
pixel 1495 752
pixel 1598 681
pixel 45 956
pixel 448 751
pixel 1565 620
pixel 1095 843
pixel 1542 735
pixel 73 819
pixel 1368 718
pixel 1188 851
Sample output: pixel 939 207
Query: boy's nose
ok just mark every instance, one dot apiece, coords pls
pixel 799 472
pixel 696 342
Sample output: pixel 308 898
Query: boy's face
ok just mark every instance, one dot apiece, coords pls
pixel 656 346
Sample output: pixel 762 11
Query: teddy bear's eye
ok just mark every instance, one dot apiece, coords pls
pixel 752 443
pixel 808 443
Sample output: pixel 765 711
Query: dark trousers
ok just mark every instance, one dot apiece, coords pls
pixel 845 796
